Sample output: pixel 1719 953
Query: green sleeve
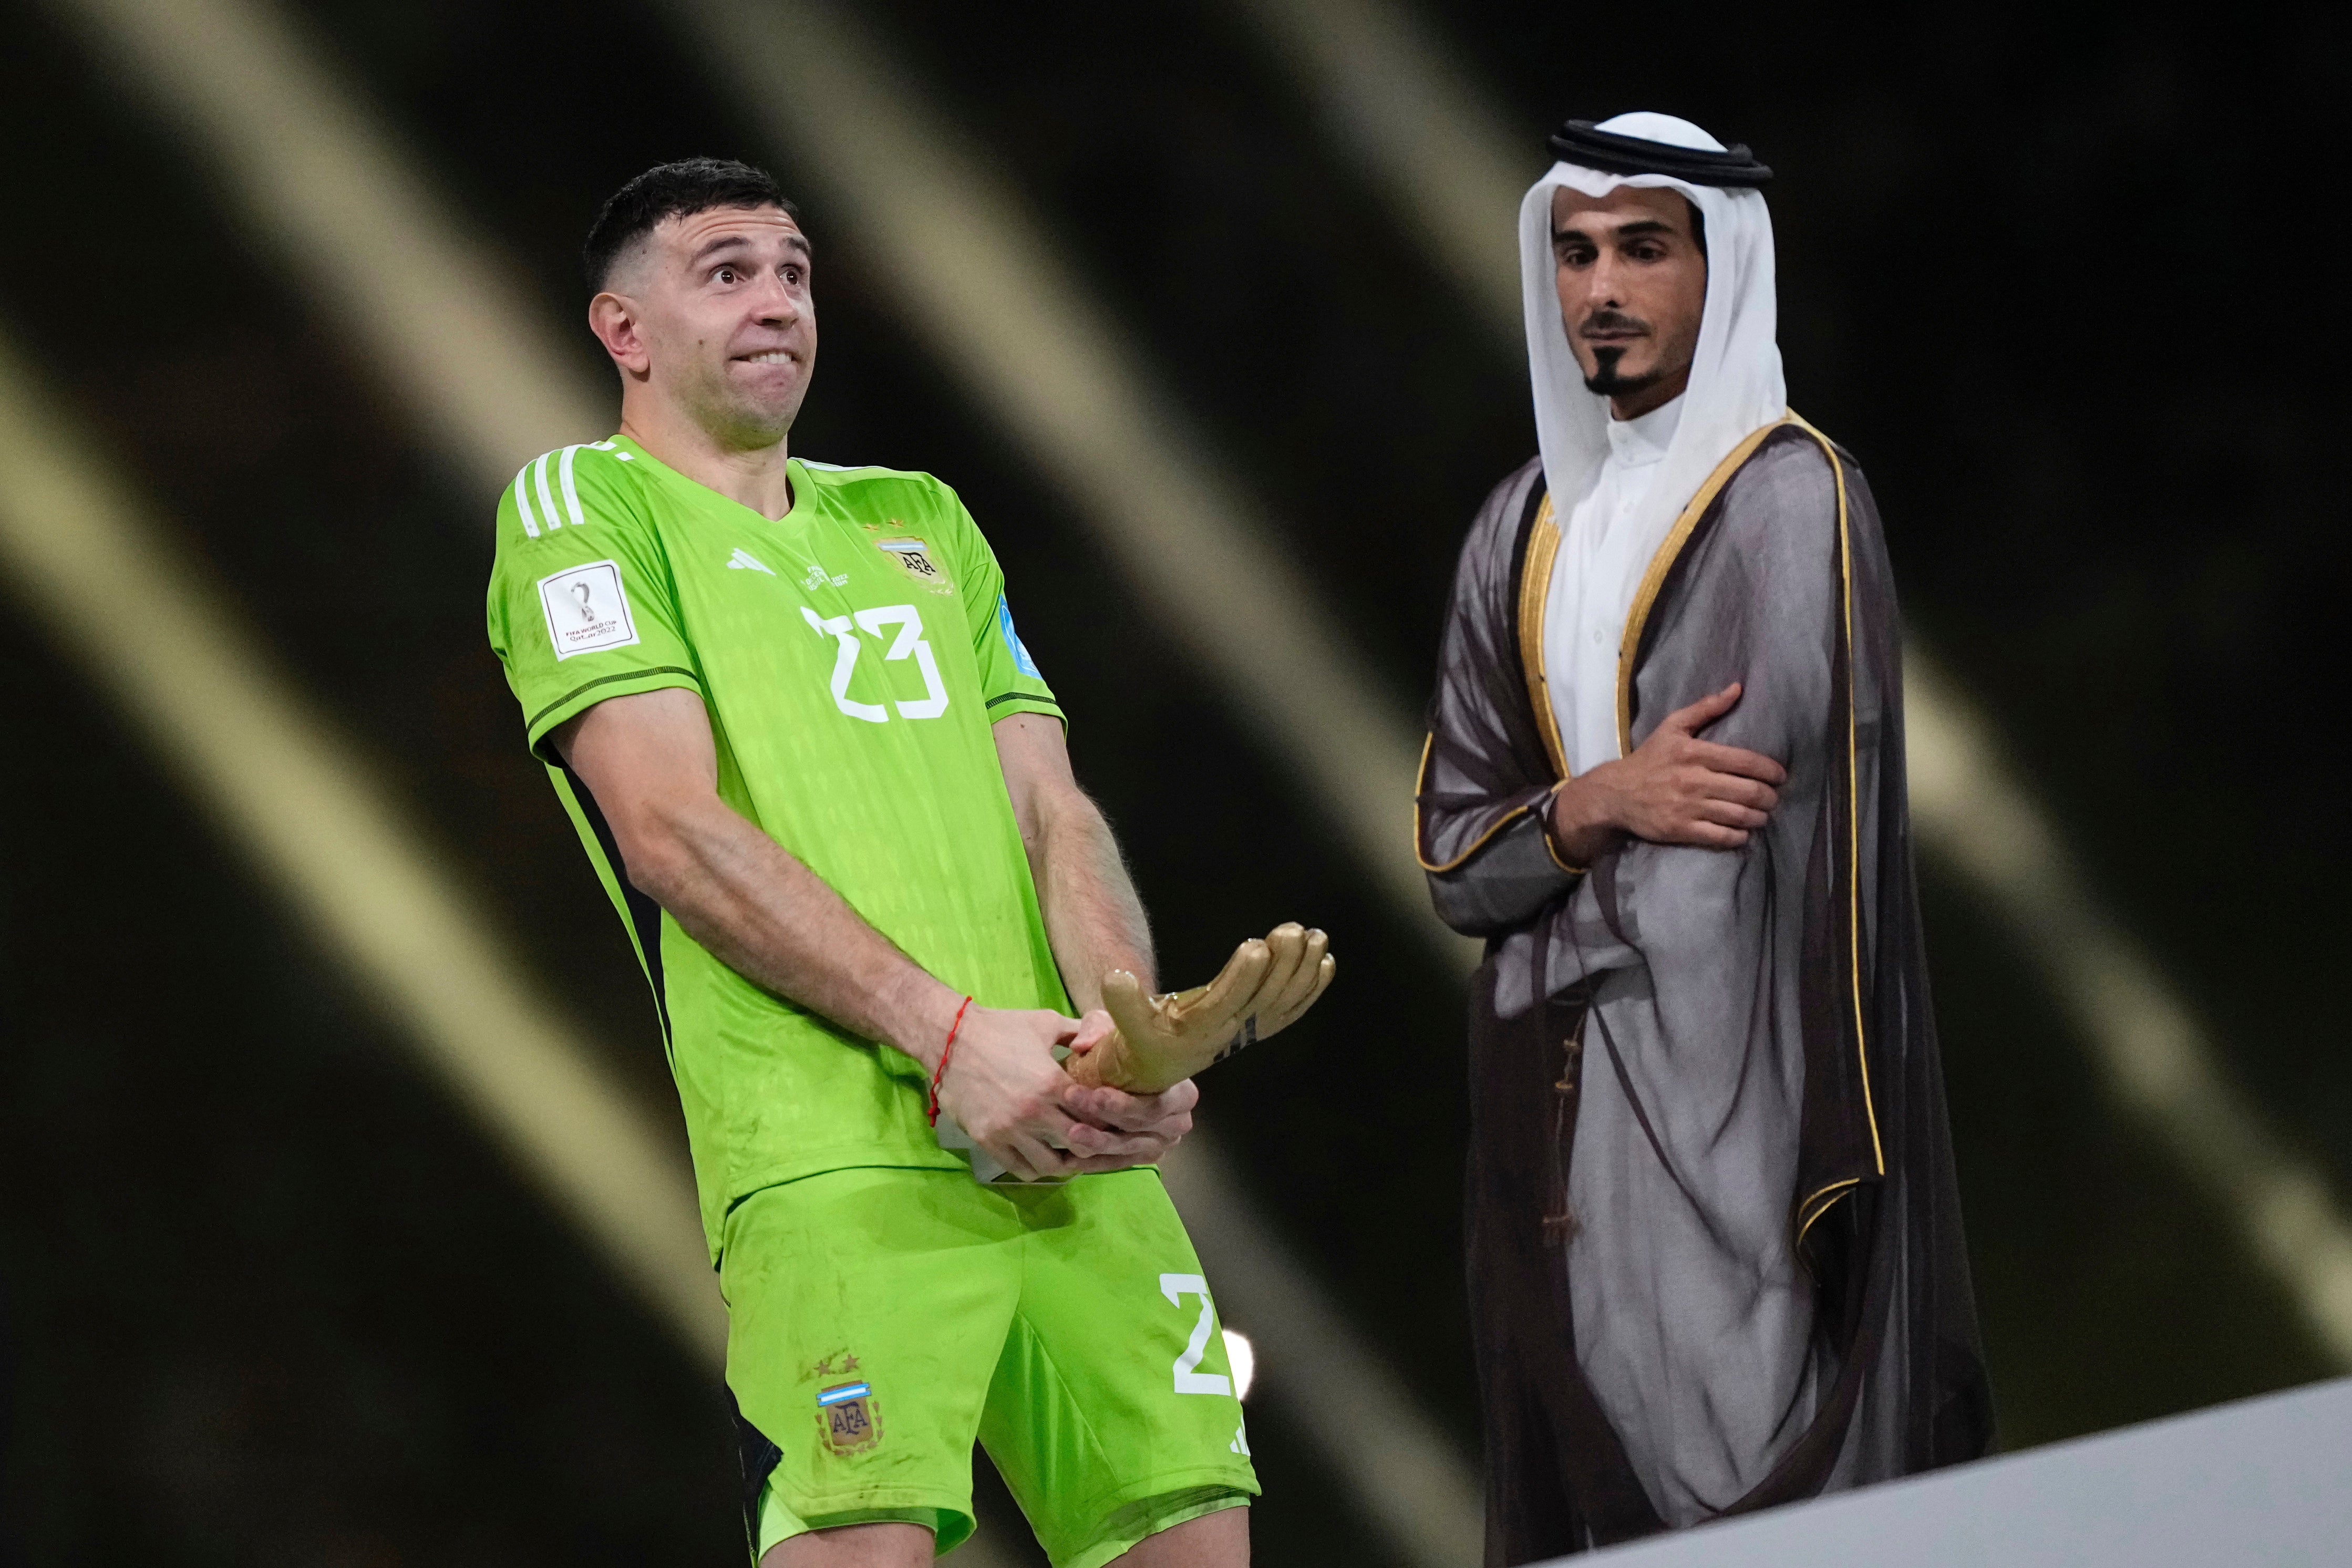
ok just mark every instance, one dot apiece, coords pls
pixel 582 605
pixel 1009 681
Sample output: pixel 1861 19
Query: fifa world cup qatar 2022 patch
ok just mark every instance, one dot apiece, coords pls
pixel 849 1417
pixel 587 609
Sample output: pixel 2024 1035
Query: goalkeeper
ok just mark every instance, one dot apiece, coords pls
pixel 826 788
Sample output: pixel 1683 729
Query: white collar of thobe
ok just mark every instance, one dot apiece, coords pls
pixel 1638 442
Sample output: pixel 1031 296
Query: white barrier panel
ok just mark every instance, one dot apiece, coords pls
pixel 2265 1481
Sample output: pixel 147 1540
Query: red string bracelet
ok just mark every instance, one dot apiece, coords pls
pixel 945 1052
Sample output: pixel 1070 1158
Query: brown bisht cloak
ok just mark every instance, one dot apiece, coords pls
pixel 1714 1251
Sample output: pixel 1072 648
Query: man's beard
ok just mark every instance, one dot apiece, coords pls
pixel 1606 381
pixel 1605 378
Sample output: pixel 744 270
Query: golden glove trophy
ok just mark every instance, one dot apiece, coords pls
pixel 1162 1040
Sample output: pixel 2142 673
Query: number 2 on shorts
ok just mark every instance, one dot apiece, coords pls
pixel 1189 1379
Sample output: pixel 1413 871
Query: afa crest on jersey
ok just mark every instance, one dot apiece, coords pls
pixel 849 1417
pixel 914 558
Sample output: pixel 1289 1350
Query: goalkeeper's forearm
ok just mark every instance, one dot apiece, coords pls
pixel 650 763
pixel 768 917
pixel 1093 918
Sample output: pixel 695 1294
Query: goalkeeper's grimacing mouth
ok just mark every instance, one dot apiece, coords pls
pixel 1160 1041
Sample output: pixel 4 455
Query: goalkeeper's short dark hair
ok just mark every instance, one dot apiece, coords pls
pixel 681 189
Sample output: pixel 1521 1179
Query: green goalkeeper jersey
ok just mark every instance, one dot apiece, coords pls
pixel 852 658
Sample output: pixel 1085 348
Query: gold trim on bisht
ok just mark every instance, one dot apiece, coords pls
pixel 1535 587
pixel 1534 592
pixel 1853 792
pixel 1421 786
pixel 1647 597
pixel 1810 1208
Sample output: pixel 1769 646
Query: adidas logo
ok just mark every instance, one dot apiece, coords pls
pixel 744 560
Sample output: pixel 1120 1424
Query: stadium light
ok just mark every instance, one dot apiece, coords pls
pixel 1243 1358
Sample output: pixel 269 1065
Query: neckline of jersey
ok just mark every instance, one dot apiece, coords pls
pixel 805 490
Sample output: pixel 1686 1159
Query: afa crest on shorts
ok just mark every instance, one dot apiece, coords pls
pixel 849 1417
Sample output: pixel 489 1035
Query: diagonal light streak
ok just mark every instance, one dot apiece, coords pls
pixel 1419 128
pixel 2159 1059
pixel 131 607
pixel 476 361
pixel 1423 135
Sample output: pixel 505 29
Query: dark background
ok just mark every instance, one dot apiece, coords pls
pixel 266 1296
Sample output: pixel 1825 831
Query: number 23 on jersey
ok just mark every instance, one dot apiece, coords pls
pixel 908 643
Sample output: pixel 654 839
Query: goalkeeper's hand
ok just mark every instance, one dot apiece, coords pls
pixel 1161 1041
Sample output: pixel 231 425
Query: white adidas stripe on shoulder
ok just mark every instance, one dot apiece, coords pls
pixel 523 501
pixel 546 496
pixel 533 476
pixel 571 494
pixel 838 468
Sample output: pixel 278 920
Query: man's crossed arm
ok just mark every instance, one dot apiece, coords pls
pixel 650 761
pixel 1673 789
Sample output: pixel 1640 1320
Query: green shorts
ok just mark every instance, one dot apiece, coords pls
pixel 881 1320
